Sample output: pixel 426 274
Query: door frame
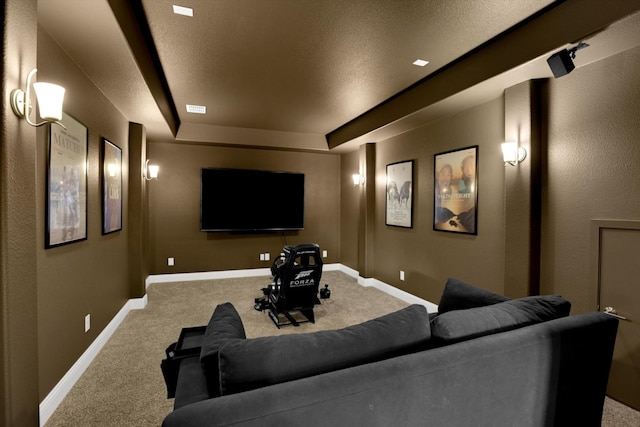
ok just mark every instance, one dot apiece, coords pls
pixel 597 225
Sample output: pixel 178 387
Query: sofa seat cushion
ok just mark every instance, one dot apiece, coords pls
pixel 460 325
pixel 258 362
pixel 459 295
pixel 225 323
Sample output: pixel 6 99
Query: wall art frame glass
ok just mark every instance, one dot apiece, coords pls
pixel 66 204
pixel 456 191
pixel 399 198
pixel 111 178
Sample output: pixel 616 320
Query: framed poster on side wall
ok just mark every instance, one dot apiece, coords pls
pixel 456 191
pixel 399 200
pixel 66 205
pixel 111 178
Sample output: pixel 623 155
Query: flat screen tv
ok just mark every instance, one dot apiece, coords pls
pixel 242 200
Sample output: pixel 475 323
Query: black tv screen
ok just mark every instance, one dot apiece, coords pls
pixel 242 200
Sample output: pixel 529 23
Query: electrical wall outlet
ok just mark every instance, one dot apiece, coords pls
pixel 267 256
pixel 171 261
pixel 402 275
pixel 87 322
pixel 261 257
pixel 324 254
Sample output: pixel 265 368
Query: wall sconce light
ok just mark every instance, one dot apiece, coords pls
pixel 357 179
pixel 150 171
pixel 512 154
pixel 49 99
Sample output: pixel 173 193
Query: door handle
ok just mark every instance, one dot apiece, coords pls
pixel 612 312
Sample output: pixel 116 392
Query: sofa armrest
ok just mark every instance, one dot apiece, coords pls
pixel 192 384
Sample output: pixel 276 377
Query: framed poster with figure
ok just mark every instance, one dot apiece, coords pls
pixel 456 191
pixel 111 177
pixel 66 205
pixel 399 200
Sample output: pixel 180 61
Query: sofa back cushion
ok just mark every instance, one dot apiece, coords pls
pixel 225 323
pixel 258 362
pixel 460 325
pixel 459 295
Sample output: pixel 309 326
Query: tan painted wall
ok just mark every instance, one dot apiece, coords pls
pixel 349 210
pixel 589 162
pixel 590 166
pixel 91 276
pixel 175 208
pixel 428 257
pixel 18 282
pixel 593 168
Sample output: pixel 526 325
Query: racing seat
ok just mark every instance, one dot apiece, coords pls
pixel 293 293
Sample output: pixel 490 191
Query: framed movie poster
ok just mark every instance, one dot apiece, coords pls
pixel 399 200
pixel 456 191
pixel 66 208
pixel 111 178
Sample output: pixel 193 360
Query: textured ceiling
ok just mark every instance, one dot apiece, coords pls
pixel 310 66
pixel 283 72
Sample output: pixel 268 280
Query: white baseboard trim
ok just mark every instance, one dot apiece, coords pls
pixel 399 293
pixel 64 386
pixel 57 395
pixel 211 275
pixel 348 271
pixel 391 290
pixel 206 275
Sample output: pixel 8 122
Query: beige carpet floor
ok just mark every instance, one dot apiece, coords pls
pixel 124 386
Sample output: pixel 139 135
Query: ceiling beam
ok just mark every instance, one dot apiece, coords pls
pixel 135 28
pixel 560 23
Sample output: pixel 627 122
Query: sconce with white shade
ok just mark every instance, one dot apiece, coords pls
pixel 513 154
pixel 150 171
pixel 357 179
pixel 49 99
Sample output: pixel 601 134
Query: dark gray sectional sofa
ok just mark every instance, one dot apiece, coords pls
pixel 483 360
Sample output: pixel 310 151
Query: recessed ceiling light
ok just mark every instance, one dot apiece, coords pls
pixel 181 10
pixel 420 62
pixel 198 109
